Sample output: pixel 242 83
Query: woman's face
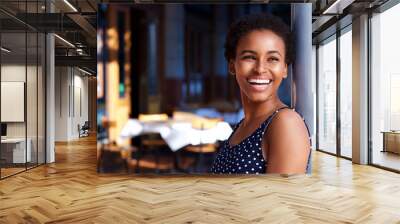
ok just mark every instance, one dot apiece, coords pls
pixel 259 64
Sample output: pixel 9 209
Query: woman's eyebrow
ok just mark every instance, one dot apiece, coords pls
pixel 274 52
pixel 253 52
pixel 248 51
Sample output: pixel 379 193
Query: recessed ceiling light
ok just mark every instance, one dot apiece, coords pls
pixel 5 50
pixel 65 41
pixel 70 5
pixel 338 6
pixel 84 71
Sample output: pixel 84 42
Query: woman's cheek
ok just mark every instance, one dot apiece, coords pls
pixel 244 68
pixel 241 81
pixel 278 69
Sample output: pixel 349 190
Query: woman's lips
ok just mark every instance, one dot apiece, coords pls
pixel 259 84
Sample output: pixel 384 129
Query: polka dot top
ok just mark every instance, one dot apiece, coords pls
pixel 246 157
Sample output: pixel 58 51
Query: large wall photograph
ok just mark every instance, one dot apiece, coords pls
pixel 168 100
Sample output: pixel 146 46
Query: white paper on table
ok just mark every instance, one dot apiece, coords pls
pixel 178 134
pixel 132 128
pixel 220 132
pixel 183 134
pixel 156 127
pixel 224 131
pixel 177 139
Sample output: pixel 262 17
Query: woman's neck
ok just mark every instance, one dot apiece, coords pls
pixel 257 111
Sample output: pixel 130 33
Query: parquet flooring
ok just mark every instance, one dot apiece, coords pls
pixel 10 171
pixel 70 191
pixel 387 159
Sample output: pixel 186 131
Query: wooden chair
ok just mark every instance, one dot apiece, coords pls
pixel 111 158
pixel 154 145
pixel 83 131
pixel 200 152
pixel 203 150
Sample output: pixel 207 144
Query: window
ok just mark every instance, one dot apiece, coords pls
pixel 327 96
pixel 346 93
pixel 385 89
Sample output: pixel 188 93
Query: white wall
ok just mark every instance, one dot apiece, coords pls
pixel 12 73
pixel 61 103
pixel 79 115
pixel 71 102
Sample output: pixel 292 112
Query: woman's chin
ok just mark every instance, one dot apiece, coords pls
pixel 257 98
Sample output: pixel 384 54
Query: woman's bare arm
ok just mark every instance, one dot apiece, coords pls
pixel 287 142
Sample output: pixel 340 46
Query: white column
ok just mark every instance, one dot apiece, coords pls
pixel 360 90
pixel 50 93
pixel 50 101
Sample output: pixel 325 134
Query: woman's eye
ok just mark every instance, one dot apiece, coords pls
pixel 273 59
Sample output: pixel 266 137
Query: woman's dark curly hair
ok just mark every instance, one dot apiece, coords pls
pixel 252 22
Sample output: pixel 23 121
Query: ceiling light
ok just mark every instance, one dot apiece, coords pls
pixel 84 71
pixel 337 7
pixel 5 50
pixel 65 41
pixel 70 5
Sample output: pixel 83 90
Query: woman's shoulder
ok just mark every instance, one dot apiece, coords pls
pixel 287 120
pixel 288 143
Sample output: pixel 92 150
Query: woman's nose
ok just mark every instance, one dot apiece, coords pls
pixel 260 67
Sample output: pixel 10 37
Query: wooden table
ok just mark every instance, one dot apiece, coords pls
pixel 391 141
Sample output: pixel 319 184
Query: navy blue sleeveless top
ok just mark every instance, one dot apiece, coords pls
pixel 246 157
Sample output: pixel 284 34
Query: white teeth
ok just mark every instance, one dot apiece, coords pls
pixel 259 81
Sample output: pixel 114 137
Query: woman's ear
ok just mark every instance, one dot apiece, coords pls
pixel 231 67
pixel 286 71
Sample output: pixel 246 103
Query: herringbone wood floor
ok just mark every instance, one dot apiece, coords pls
pixel 70 191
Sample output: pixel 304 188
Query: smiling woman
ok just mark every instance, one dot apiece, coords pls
pixel 271 138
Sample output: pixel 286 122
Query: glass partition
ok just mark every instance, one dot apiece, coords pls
pixel 41 85
pixel 22 88
pixel 31 97
pixel 13 105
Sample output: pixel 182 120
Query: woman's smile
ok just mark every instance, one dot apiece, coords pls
pixel 259 83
